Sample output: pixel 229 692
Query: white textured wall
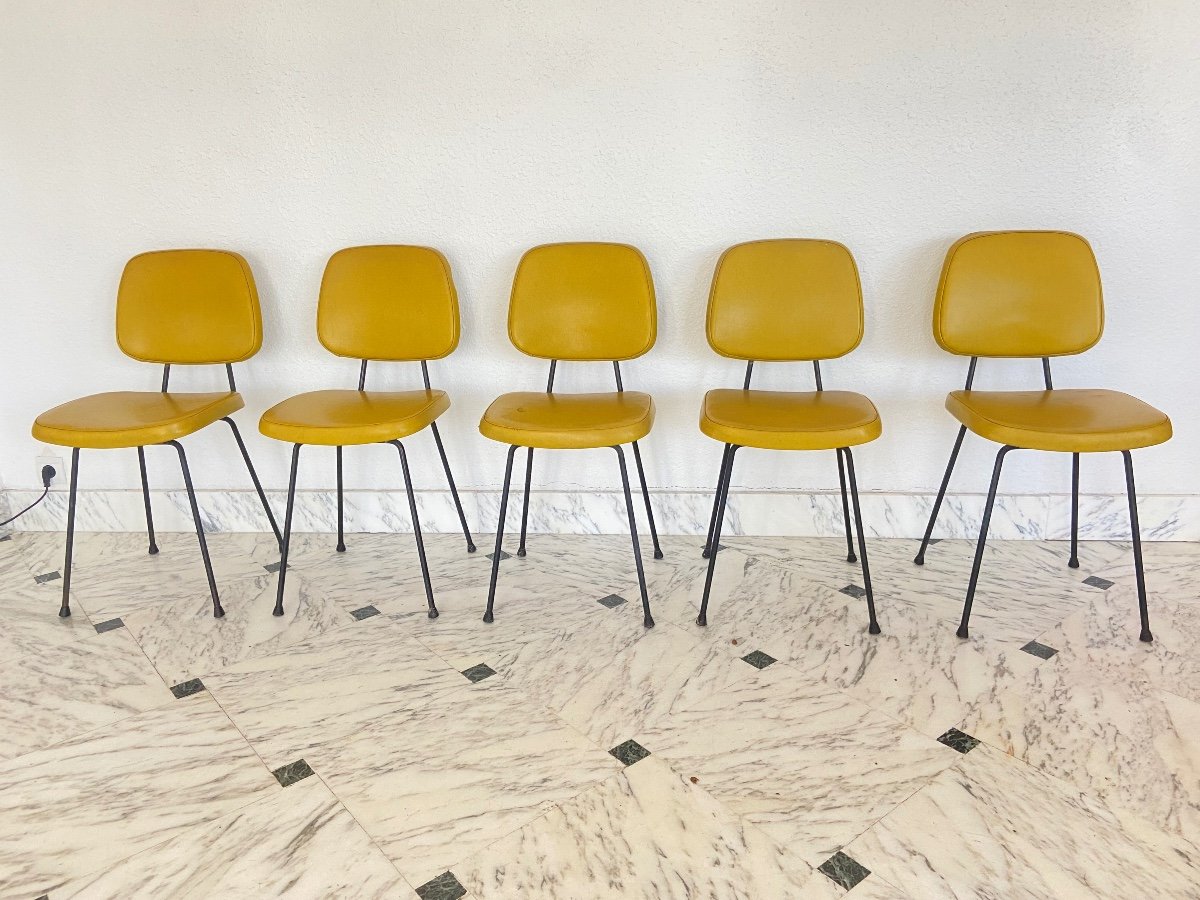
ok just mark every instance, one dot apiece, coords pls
pixel 287 130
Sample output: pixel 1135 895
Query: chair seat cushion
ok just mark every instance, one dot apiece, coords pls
pixel 132 418
pixel 1066 420
pixel 790 420
pixel 343 418
pixel 568 421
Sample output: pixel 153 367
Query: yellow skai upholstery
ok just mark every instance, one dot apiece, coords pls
pixel 343 418
pixel 790 420
pixel 1035 293
pixel 132 418
pixel 388 302
pixel 173 306
pixel 1066 420
pixel 789 299
pixel 582 301
pixel 568 421
pixel 188 306
pixel 1019 293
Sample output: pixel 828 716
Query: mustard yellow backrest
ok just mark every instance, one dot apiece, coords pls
pixel 1019 293
pixel 787 299
pixel 188 306
pixel 391 302
pixel 582 301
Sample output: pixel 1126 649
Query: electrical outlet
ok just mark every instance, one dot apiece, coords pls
pixel 60 470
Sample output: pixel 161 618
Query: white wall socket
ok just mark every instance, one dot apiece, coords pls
pixel 60 470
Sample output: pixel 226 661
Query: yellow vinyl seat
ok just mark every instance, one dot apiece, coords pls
pixel 568 421
pixel 787 300
pixel 1068 420
pixel 343 418
pixel 174 308
pixel 1030 294
pixel 124 419
pixel 789 420
pixel 381 303
pixel 578 302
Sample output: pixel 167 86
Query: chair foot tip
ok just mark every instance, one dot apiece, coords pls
pixel 704 554
pixel 471 548
pixel 341 548
pixel 64 613
pixel 1146 637
pixel 648 622
pixel 487 617
pixel 851 558
pixel 153 550
pixel 1073 563
pixel 874 628
pixel 658 554
pixel 277 611
pixel 962 632
pixel 702 620
pixel 218 613
pixel 919 560
pixel 433 613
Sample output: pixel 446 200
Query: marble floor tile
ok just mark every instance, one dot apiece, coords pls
pixel 301 843
pixel 84 804
pixel 184 641
pixel 54 693
pixel 990 826
pixel 113 575
pixel 645 833
pixel 1172 569
pixel 1104 728
pixel 914 670
pixel 341 685
pixel 809 765
pixel 437 784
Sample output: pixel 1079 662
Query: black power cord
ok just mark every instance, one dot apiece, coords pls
pixel 48 474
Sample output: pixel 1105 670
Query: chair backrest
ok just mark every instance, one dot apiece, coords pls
pixel 583 301
pixel 189 307
pixel 787 299
pixel 389 302
pixel 1019 293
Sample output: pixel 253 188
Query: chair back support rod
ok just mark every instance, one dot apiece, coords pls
pixel 362 376
pixel 749 372
pixel 1046 373
pixel 617 372
pixel 971 373
pixel 817 373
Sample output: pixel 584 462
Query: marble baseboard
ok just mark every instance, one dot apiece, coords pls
pixel 1164 517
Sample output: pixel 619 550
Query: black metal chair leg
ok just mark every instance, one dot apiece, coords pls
pixel 850 557
pixel 1135 528
pixel 153 549
pixel 416 524
pixel 262 495
pixel 287 531
pixel 648 619
pixel 637 458
pixel 462 518
pixel 218 612
pixel 937 504
pixel 64 609
pixel 723 483
pixel 712 522
pixel 487 615
pixel 525 505
pixel 1073 562
pixel 341 544
pixel 983 530
pixel 873 623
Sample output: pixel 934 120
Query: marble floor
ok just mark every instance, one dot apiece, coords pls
pixel 356 748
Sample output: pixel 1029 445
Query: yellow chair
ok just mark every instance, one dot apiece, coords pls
pixel 174 307
pixel 582 302
pixel 395 303
pixel 787 300
pixel 1031 294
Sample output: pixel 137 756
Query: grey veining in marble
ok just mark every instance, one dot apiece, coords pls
pixel 646 833
pixel 81 805
pixel 991 827
pixel 301 843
